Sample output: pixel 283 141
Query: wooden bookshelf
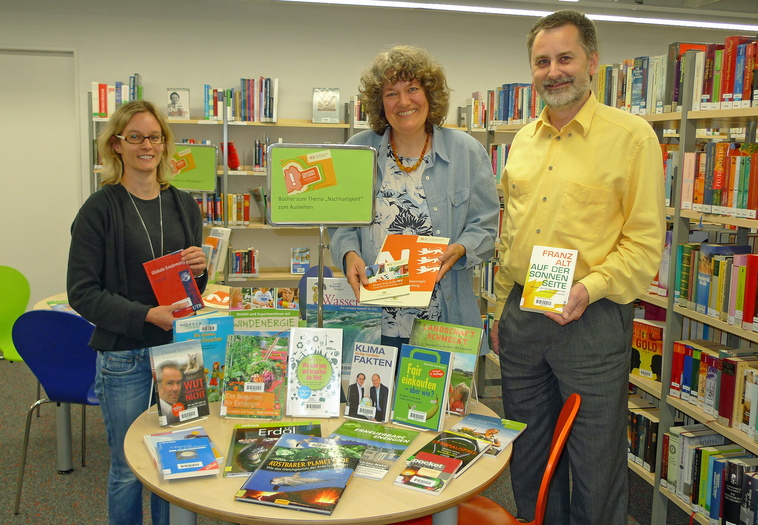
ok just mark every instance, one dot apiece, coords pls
pixel 648 385
pixel 724 118
pixel 717 323
pixel 711 218
pixel 641 472
pixel 699 518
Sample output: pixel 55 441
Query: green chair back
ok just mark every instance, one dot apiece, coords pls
pixel 16 290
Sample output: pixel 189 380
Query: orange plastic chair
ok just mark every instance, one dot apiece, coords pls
pixel 483 510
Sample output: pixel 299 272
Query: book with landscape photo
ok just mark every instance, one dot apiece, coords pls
pixel 303 473
pixel 469 449
pixel 187 458
pixel 548 282
pixel 179 378
pixel 254 375
pixel 314 371
pixel 152 440
pixel 423 379
pixel 428 473
pixel 464 343
pixel 422 254
pixel 386 279
pixel 384 445
pixel 369 392
pixel 501 432
pixel 173 283
pixel 211 330
pixel 251 443
pixel 341 310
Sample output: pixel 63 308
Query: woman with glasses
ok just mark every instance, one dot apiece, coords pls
pixel 135 216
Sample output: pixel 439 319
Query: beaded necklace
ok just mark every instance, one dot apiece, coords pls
pixel 397 158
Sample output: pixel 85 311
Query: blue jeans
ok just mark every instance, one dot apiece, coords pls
pixel 541 364
pixel 122 384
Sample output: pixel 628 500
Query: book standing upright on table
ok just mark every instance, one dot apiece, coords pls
pixel 314 371
pixel 179 378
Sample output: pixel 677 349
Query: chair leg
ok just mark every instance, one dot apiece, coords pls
pixel 23 453
pixel 39 394
pixel 84 434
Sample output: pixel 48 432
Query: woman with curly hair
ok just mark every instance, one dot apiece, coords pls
pixel 432 181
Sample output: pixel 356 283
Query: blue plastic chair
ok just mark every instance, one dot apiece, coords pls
pixel 16 290
pixel 310 272
pixel 54 345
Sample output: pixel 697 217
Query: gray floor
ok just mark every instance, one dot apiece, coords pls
pixel 80 497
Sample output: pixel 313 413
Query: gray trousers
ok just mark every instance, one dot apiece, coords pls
pixel 541 364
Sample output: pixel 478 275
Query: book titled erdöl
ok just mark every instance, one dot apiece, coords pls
pixel 549 279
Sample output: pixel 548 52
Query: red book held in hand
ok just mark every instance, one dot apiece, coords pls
pixel 173 283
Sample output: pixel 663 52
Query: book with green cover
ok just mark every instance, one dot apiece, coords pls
pixel 385 445
pixel 464 343
pixel 423 380
pixel 250 443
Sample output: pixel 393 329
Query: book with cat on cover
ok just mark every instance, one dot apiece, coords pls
pixel 254 375
pixel 428 473
pixel 313 372
pixel 187 458
pixel 423 379
pixel 467 448
pixel 302 472
pixel 464 343
pixel 422 254
pixel 501 432
pixel 385 445
pixel 369 392
pixel 251 443
pixel 179 378
pixel 173 283
pixel 211 330
pixel 549 279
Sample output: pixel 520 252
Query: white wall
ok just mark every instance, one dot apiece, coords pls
pixel 187 43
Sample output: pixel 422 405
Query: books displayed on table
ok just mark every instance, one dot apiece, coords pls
pixel 423 380
pixel 254 375
pixel 548 281
pixel 187 458
pixel 384 444
pixel 422 254
pixel 467 448
pixel 500 432
pixel 314 371
pixel 173 283
pixel 369 395
pixel 428 473
pixel 152 440
pixel 211 330
pixel 341 310
pixel 251 443
pixel 464 343
pixel 303 473
pixel 179 378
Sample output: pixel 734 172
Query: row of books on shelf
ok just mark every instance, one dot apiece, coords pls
pixel 107 97
pixel 714 477
pixel 719 380
pixel 642 432
pixel 499 156
pixel 256 100
pixel 237 207
pixel 721 179
pixel 718 280
pixel 283 463
pixel 512 103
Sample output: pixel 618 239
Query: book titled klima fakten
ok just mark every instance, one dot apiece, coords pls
pixel 549 279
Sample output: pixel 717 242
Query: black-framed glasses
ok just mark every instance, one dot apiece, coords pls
pixel 136 138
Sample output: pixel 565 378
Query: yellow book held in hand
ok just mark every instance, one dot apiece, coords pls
pixel 549 279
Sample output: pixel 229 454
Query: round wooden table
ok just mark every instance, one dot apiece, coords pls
pixel 364 501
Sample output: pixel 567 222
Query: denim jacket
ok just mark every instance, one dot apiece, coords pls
pixel 463 206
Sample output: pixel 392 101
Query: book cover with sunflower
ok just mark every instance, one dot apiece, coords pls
pixel 549 279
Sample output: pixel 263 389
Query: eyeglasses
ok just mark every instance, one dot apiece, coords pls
pixel 134 138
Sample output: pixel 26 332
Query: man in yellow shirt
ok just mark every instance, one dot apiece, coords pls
pixel 587 177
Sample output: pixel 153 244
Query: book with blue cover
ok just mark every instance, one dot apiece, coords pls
pixel 187 458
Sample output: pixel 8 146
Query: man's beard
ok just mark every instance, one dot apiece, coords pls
pixel 567 96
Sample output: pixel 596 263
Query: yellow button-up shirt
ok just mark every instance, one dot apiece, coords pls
pixel 595 186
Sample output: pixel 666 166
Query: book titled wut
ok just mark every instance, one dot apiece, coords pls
pixel 549 279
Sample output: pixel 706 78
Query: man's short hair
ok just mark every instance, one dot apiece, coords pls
pixel 586 27
pixel 360 374
pixel 165 364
